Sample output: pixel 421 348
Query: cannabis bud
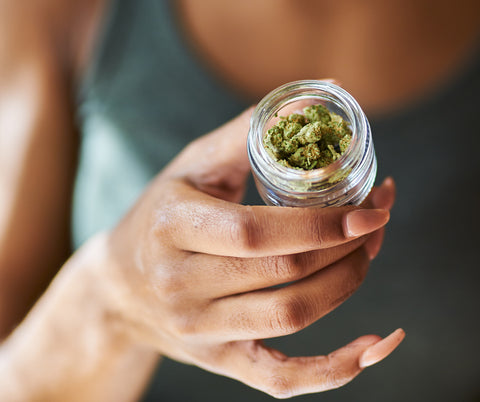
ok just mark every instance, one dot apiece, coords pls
pixel 310 140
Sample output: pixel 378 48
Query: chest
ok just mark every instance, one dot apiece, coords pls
pixel 384 53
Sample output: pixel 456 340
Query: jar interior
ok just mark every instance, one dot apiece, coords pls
pixel 295 103
pixel 333 183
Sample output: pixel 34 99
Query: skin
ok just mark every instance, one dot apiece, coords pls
pixel 146 287
pixel 187 272
pixel 384 52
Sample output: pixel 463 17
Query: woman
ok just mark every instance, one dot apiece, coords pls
pixel 182 273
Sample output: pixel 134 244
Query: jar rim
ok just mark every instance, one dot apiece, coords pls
pixel 294 91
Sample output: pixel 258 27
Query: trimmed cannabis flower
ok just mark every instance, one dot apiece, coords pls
pixel 310 140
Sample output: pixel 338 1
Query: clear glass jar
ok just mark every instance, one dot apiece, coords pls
pixel 346 181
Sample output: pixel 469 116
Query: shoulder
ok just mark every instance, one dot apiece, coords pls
pixel 48 31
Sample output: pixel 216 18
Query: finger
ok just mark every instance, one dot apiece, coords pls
pixel 374 243
pixel 197 222
pixel 272 372
pixel 332 81
pixel 235 275
pixel 383 196
pixel 217 163
pixel 281 311
pixel 225 146
pixel 382 349
pixel 380 197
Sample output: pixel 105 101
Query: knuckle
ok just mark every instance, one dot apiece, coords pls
pixel 290 315
pixel 334 379
pixel 286 268
pixel 332 376
pixel 170 285
pixel 185 327
pixel 167 279
pixel 318 227
pixel 244 231
pixel 163 221
pixel 278 386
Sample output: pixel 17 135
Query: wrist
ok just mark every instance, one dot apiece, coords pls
pixel 116 283
pixel 99 272
pixel 77 333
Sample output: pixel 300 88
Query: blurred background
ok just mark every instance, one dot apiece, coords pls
pixel 149 76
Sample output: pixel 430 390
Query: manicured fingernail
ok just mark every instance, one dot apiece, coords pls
pixel 362 221
pixel 365 340
pixel 388 182
pixel 381 349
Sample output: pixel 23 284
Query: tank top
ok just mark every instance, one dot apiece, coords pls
pixel 146 95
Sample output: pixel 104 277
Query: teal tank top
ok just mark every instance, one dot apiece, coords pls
pixel 137 104
pixel 143 85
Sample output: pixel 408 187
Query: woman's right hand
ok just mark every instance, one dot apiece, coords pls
pixel 195 273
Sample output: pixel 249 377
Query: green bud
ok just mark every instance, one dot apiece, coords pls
pixel 273 141
pixel 290 146
pixel 311 132
pixel 305 157
pixel 296 118
pixel 335 154
pixel 317 113
pixel 291 129
pixel 344 143
pixel 309 141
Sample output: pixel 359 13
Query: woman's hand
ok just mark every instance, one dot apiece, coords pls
pixel 195 271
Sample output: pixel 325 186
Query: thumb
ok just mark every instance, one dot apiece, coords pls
pixel 217 163
pixel 226 145
pixel 231 140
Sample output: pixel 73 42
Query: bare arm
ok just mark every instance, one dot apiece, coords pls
pixel 37 159
pixel 38 145
pixel 188 273
pixel 71 346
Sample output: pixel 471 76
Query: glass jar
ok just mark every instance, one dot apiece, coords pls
pixel 346 181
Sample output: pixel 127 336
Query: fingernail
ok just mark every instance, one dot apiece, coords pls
pixel 365 340
pixel 388 182
pixel 362 221
pixel 381 349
